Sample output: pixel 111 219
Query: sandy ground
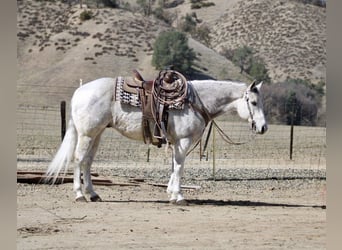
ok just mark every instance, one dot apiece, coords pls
pixel 247 213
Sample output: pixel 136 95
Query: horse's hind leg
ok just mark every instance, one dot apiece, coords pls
pixel 88 185
pixel 77 183
pixel 84 155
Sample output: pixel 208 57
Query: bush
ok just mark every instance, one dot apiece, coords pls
pixel 110 3
pixel 188 23
pixel 202 34
pixel 171 48
pixel 86 15
pixel 295 99
pixel 163 15
pixel 172 4
pixel 197 4
pixel 320 3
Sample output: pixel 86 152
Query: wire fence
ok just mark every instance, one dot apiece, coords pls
pixel 39 136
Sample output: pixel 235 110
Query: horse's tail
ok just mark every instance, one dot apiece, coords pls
pixel 64 155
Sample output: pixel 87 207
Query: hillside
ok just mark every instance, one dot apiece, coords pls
pixel 289 36
pixel 56 49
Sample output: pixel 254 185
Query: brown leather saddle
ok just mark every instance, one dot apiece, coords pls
pixel 134 84
pixel 167 91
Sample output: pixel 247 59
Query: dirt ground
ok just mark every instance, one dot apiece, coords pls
pixel 245 213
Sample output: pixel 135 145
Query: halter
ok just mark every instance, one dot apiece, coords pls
pixel 249 109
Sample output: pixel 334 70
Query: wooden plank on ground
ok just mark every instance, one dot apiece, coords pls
pixel 43 172
pixel 30 178
pixel 182 186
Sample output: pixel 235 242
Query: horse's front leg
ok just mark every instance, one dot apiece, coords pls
pixel 174 185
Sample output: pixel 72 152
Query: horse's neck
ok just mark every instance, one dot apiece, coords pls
pixel 218 97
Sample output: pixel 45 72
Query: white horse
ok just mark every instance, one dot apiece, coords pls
pixel 94 108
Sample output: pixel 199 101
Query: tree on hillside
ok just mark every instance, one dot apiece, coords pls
pixel 242 57
pixel 258 70
pixel 171 48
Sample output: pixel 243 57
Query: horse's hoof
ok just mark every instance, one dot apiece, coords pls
pixel 182 203
pixel 179 202
pixel 81 199
pixel 95 198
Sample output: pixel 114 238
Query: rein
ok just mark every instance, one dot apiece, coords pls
pixel 226 138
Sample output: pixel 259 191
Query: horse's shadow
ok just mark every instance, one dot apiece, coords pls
pixel 212 202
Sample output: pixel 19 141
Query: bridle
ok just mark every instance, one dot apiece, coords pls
pixel 246 97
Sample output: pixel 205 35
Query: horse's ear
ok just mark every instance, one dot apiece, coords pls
pixel 252 85
pixel 259 85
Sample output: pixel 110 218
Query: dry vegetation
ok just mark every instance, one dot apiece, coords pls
pixel 56 49
pixel 289 36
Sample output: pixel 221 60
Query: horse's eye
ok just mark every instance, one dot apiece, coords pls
pixel 254 103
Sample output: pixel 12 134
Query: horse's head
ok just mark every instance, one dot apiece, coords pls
pixel 250 106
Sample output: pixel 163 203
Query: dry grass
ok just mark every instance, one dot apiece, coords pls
pixel 289 36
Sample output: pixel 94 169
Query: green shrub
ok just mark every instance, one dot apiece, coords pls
pixel 197 4
pixel 86 15
pixel 163 15
pixel 188 23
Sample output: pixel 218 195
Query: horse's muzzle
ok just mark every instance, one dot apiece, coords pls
pixel 263 129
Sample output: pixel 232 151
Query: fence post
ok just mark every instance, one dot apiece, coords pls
pixel 214 149
pixel 291 138
pixel 63 121
pixel 292 123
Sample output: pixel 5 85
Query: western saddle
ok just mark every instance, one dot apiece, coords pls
pixel 168 91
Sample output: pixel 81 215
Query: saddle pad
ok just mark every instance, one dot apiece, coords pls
pixel 124 96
